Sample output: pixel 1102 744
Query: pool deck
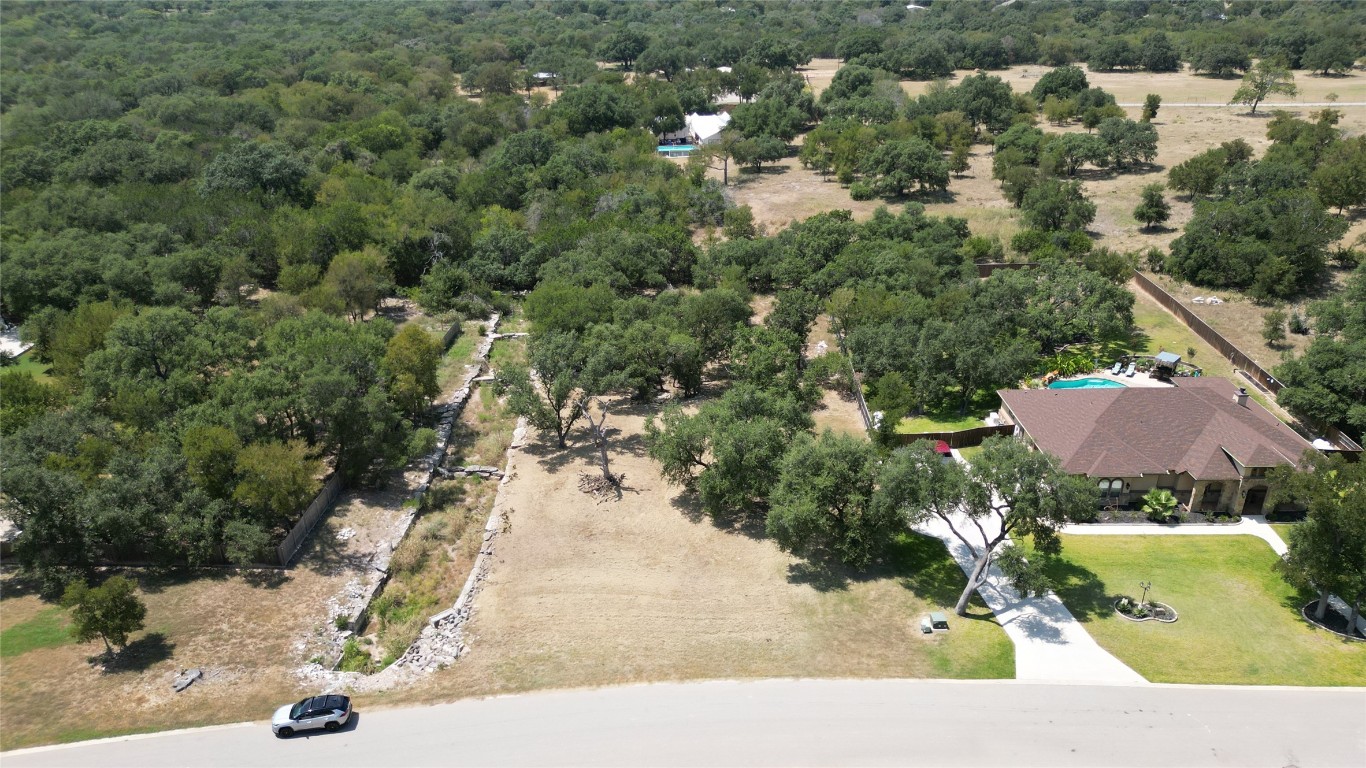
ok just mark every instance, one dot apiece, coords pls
pixel 1139 379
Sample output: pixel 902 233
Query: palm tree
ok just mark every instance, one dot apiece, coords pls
pixel 1159 505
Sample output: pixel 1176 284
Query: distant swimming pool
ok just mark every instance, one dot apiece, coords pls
pixel 675 149
pixel 1085 384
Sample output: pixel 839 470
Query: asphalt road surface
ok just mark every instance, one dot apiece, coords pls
pixel 797 722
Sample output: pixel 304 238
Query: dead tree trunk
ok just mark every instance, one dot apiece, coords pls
pixel 600 436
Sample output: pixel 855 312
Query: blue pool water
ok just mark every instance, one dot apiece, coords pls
pixel 669 149
pixel 1085 384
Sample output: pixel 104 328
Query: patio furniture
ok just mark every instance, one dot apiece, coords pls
pixel 1114 371
pixel 1133 367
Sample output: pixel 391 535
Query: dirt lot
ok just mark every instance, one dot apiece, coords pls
pixel 647 588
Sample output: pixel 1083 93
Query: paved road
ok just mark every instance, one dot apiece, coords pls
pixel 1264 106
pixel 800 722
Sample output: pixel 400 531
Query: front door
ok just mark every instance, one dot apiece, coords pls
pixel 1255 499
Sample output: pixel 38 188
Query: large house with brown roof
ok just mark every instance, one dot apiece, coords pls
pixel 1204 440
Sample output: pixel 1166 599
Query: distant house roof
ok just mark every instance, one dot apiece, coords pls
pixel 1196 427
pixel 705 127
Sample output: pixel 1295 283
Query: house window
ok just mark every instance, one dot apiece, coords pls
pixel 1110 488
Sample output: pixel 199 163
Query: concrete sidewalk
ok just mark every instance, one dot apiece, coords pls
pixel 1050 644
pixel 1250 525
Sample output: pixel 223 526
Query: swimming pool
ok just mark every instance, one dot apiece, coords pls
pixel 1087 383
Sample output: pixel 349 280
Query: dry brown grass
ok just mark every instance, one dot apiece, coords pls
pixel 787 192
pixel 1132 87
pixel 646 588
pixel 248 632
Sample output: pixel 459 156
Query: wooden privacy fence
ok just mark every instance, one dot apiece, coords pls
pixel 963 438
pixel 1259 375
pixel 985 268
pixel 1249 368
pixel 299 533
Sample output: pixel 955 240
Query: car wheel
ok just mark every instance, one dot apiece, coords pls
pixel 332 725
pixel 285 733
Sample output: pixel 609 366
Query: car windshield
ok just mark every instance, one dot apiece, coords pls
pixel 298 709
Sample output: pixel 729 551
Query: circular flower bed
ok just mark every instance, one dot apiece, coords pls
pixel 1149 611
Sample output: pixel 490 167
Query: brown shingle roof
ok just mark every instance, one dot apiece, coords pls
pixel 1194 427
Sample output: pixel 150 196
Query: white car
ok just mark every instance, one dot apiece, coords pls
pixel 326 712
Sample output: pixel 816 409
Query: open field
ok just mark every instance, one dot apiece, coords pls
pixel 1240 319
pixel 1130 87
pixel 787 192
pixel 1239 622
pixel 646 588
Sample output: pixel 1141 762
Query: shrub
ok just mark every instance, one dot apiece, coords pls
pixel 861 191
pixel 1160 505
pixel 354 658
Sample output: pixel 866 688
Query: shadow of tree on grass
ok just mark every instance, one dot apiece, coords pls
pixel 137 656
pixel 1080 589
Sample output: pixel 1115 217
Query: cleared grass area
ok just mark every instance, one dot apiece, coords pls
pixel 48 629
pixel 946 423
pixel 26 364
pixel 1239 621
pixel 950 419
pixel 970 452
pixel 451 373
pixel 1159 330
pixel 647 588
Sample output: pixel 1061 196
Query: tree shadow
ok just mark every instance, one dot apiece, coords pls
pixel 148 650
pixel 819 575
pixel 927 196
pixel 154 581
pixel 923 565
pixel 265 578
pixel 1080 589
pixel 548 457
pixel 327 556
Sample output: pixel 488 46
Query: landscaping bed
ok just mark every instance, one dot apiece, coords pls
pixel 1332 621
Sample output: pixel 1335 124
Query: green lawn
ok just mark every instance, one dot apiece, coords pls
pixel 949 419
pixel 1159 330
pixel 970 452
pixel 26 363
pixel 930 580
pixel 1283 530
pixel 46 630
pixel 1239 621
